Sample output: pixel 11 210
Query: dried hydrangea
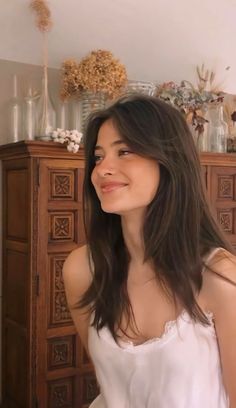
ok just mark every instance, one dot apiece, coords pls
pixel 70 79
pixel 98 72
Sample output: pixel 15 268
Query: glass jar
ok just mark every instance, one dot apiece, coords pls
pixel 231 142
pixel 90 102
pixel 16 113
pixel 217 129
pixel 141 87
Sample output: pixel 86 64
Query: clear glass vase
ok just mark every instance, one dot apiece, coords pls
pixel 29 115
pixel 141 87
pixel 90 102
pixel 62 115
pixel 46 115
pixel 16 114
pixel 75 117
pixel 202 142
pixel 217 132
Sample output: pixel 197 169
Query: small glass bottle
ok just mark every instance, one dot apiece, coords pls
pixel 217 129
pixel 231 146
pixel 29 115
pixel 15 120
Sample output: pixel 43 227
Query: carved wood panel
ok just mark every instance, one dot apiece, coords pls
pixel 61 352
pixel 223 198
pixel 225 218
pixel 61 226
pixel 89 389
pixel 59 312
pixel 62 185
pixel 60 393
pixel 226 187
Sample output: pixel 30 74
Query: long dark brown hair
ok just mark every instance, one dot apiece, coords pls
pixel 178 228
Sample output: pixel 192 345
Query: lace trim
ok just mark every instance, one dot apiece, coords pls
pixel 169 328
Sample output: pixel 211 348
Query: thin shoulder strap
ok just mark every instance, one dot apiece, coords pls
pixel 223 277
pixel 212 253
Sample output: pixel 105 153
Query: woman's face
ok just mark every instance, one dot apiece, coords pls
pixel 124 181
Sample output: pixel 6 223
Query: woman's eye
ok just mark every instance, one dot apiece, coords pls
pixel 97 158
pixel 124 152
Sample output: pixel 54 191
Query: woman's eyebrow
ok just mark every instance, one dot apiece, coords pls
pixel 115 143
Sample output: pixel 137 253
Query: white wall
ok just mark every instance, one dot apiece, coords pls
pixel 157 40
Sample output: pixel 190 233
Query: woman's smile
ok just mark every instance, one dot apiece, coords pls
pixel 109 187
pixel 124 181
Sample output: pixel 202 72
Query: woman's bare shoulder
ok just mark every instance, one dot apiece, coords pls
pixel 219 280
pixel 77 279
pixel 219 284
pixel 77 273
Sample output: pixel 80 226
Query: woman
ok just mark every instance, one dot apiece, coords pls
pixel 153 294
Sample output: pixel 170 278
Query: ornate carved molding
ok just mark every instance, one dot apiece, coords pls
pixel 61 352
pixel 62 185
pixel 225 187
pixel 90 388
pixel 61 393
pixel 62 226
pixel 225 218
pixel 59 311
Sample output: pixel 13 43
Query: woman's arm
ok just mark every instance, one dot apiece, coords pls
pixel 221 294
pixel 77 278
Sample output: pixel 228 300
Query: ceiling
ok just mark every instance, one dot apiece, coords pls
pixel 157 40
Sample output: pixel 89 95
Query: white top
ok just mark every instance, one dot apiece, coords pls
pixel 179 370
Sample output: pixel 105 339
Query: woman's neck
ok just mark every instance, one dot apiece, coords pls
pixel 132 233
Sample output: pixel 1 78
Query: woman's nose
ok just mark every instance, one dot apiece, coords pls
pixel 106 167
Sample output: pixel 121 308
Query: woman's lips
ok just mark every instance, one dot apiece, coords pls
pixel 109 187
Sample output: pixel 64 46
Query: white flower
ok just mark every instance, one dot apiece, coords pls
pixel 75 148
pixel 71 137
pixel 70 146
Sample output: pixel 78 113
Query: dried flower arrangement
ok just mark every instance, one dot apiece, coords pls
pixel 43 15
pixel 43 23
pixel 192 101
pixel 97 72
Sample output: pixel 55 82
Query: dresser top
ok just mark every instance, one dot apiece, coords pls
pixel 37 148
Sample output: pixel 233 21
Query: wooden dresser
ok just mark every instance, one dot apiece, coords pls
pixel 44 364
pixel 219 171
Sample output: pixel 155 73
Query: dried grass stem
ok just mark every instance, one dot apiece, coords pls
pixel 43 15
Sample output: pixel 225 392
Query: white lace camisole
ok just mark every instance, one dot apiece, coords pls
pixel 181 369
